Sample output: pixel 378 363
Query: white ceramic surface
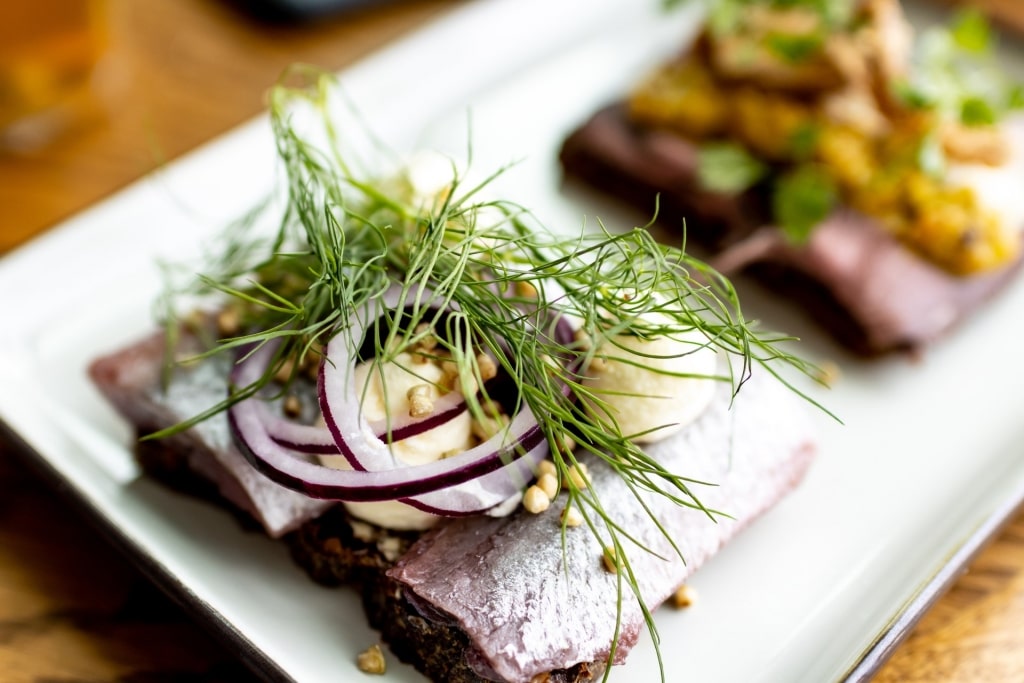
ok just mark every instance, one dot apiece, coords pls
pixel 928 453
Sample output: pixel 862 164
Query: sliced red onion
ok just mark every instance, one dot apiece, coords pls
pixel 339 398
pixel 483 493
pixel 298 437
pixel 446 408
pixel 318 481
pixel 470 482
pixel 319 440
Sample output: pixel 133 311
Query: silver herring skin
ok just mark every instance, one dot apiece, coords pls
pixel 130 380
pixel 503 581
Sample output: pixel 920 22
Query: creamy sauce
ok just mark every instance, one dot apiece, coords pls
pixel 641 387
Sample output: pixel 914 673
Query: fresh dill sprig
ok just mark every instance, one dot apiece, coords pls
pixel 499 281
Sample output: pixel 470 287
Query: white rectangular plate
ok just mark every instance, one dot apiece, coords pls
pixel 927 463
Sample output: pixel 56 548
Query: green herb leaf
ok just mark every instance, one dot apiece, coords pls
pixel 725 16
pixel 911 96
pixel 802 199
pixel 728 167
pixel 1015 97
pixel 957 75
pixel 976 111
pixel 804 141
pixel 794 48
pixel 971 32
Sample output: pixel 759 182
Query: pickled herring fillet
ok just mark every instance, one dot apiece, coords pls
pixel 526 611
pixel 130 379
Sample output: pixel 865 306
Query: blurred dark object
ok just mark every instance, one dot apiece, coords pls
pixel 299 11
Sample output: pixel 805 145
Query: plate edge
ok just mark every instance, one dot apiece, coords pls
pixel 910 614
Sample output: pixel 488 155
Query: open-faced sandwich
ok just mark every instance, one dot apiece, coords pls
pixel 515 443
pixel 870 176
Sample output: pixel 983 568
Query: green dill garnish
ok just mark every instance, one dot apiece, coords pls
pixel 728 167
pixel 348 234
pixel 794 48
pixel 802 199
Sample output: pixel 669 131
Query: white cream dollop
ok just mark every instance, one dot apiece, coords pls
pixel 640 387
pixel 383 390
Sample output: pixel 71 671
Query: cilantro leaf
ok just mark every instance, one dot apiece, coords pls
pixel 971 32
pixel 794 48
pixel 911 96
pixel 804 140
pixel 1015 97
pixel 976 111
pixel 727 167
pixel 803 198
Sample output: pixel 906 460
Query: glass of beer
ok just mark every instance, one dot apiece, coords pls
pixel 49 50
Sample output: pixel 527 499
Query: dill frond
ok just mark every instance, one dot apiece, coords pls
pixel 499 282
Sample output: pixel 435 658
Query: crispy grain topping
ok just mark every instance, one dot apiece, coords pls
pixel 535 500
pixel 571 516
pixel 684 597
pixel 371 661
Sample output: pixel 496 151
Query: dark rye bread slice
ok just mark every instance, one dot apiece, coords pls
pixel 461 603
pixel 870 292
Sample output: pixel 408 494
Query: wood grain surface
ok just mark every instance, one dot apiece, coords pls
pixel 180 72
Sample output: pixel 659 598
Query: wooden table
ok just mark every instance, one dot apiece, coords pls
pixel 179 73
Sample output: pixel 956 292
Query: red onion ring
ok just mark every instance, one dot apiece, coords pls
pixel 339 399
pixel 470 482
pixel 322 440
pixel 438 478
pixel 319 440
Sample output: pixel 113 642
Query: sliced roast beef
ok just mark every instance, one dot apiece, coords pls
pixel 871 292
